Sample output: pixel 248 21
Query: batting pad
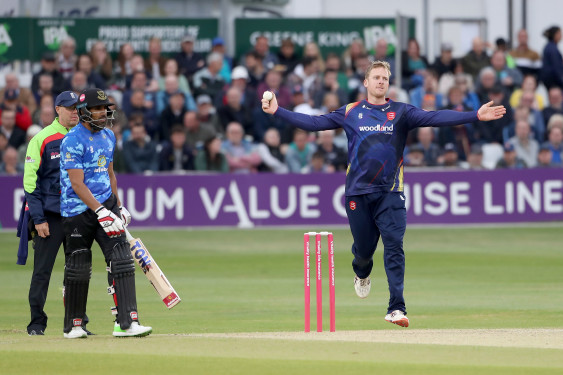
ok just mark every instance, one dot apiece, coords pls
pixel 122 270
pixel 78 271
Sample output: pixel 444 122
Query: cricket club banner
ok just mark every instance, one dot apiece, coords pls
pixel 434 197
pixel 28 38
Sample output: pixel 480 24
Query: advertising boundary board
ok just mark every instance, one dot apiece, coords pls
pixel 262 200
pixel 29 38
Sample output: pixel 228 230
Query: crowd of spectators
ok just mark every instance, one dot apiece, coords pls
pixel 202 112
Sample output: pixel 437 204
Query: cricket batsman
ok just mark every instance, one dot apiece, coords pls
pixel 91 210
pixel 377 130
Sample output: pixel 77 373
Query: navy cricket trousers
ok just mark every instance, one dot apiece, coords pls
pixel 45 254
pixel 380 214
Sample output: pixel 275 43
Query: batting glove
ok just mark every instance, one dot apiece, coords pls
pixel 125 215
pixel 113 226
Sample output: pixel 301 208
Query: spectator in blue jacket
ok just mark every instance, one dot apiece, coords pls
pixel 242 155
pixel 555 139
pixel 84 64
pixel 551 73
pixel 176 155
pixel 300 151
pixel 509 78
pixel 171 87
pixel 188 60
pixel 139 153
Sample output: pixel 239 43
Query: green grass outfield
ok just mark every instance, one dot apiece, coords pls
pixel 481 301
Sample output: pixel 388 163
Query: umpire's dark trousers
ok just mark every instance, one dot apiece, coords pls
pixel 45 253
pixel 380 214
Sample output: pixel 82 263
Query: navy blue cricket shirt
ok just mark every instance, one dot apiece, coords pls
pixel 376 138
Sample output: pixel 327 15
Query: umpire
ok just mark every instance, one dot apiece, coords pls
pixel 42 193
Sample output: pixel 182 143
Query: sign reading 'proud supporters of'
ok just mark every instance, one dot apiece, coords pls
pixel 28 38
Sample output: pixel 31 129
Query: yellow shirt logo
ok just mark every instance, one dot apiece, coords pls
pixel 102 161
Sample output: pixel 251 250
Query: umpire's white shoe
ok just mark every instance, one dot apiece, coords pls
pixel 397 317
pixel 362 286
pixel 76 333
pixel 136 330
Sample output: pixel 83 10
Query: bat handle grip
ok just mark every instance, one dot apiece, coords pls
pixel 128 235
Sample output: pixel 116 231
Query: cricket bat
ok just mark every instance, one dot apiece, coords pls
pixel 151 270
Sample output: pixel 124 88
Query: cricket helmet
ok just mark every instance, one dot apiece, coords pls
pixel 95 97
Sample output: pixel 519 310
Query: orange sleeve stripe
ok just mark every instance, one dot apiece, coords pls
pixel 349 107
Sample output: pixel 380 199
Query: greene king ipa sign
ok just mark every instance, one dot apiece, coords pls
pixel 332 35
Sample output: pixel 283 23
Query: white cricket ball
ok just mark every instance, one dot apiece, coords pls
pixel 268 95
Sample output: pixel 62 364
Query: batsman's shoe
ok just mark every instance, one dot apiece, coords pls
pixel 76 333
pixel 397 317
pixel 362 286
pixel 136 330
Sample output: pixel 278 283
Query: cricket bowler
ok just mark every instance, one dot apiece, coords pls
pixel 377 130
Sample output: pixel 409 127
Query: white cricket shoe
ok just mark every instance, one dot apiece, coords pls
pixel 397 317
pixel 136 330
pixel 362 286
pixel 76 333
